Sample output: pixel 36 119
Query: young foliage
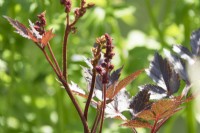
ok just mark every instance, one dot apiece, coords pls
pixel 117 86
pixel 185 53
pixel 154 115
pixel 34 33
pixel 162 73
pixel 119 104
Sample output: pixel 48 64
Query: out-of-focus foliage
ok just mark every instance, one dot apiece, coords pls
pixel 31 99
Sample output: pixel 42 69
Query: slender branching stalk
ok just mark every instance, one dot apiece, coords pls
pixel 103 107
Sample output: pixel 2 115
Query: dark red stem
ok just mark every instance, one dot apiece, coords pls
pixel 103 107
pixel 153 130
pixel 54 59
pixel 90 94
pixel 161 123
pixel 64 49
pixel 95 124
pixel 50 62
pixel 69 92
pixel 84 121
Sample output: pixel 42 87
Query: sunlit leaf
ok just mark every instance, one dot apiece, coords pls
pixel 163 108
pixel 178 65
pixel 146 115
pixel 47 37
pixel 77 90
pixel 113 80
pixel 137 124
pixel 115 88
pixel 156 92
pixel 88 62
pixel 35 33
pixel 120 104
pixel 160 110
pixel 184 53
pixel 163 74
pixel 20 28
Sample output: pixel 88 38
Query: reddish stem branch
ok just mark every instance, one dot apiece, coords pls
pixel 65 42
pixel 161 123
pixel 90 94
pixel 54 59
pixel 95 124
pixel 69 92
pixel 67 88
pixel 50 62
pixel 103 107
pixel 64 49
pixel 94 62
pixel 153 130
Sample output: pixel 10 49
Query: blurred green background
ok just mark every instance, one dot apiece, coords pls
pixel 31 100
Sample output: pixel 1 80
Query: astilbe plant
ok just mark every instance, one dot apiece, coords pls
pixel 150 108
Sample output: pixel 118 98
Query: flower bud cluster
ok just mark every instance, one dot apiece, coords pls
pixel 79 12
pixel 96 50
pixel 67 4
pixel 40 23
pixel 105 67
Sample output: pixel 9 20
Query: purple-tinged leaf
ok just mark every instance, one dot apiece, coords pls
pixel 98 82
pixel 195 42
pixel 35 33
pixel 140 101
pixel 184 53
pixel 20 28
pixel 178 65
pixel 174 82
pixel 113 80
pixel 114 77
pixel 154 71
pixel 163 74
pixel 156 92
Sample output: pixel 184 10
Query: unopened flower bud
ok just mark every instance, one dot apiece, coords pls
pixel 103 64
pixel 111 66
pixel 90 5
pixel 111 55
pixel 68 6
pixel 83 2
pixel 99 69
pixel 76 12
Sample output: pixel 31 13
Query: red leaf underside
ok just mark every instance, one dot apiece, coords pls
pixel 47 37
pixel 115 88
